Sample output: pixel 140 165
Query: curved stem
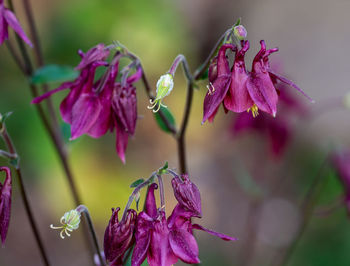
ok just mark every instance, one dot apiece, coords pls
pixel 83 209
pixel 12 150
pixel 161 192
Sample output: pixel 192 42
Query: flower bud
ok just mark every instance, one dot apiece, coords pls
pixel 119 236
pixel 187 194
pixel 165 85
pixel 5 203
pixel 70 221
pixel 240 32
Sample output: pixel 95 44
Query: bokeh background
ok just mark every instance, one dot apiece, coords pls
pixel 246 192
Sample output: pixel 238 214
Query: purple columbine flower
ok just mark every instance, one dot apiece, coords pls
pixel 5 203
pixel 239 89
pixel 93 108
pixel 164 241
pixel 187 194
pixel 341 163
pixel 119 237
pixel 8 18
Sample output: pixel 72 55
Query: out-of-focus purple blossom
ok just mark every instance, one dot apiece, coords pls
pixel 94 107
pixel 119 237
pixel 8 18
pixel 5 203
pixel 278 130
pixel 187 194
pixel 341 163
pixel 239 89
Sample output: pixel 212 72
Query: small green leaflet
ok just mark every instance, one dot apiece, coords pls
pixel 54 73
pixel 168 115
pixel 137 182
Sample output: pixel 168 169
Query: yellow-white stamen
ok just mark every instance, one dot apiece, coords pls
pixel 254 109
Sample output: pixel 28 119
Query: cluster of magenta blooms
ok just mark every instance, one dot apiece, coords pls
pixel 152 235
pixel 96 106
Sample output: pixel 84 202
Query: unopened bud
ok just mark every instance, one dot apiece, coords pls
pixel 165 85
pixel 240 32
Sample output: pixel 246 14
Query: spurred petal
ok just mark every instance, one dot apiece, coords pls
pixel 85 112
pixel 238 99
pixel 150 203
pixel 46 95
pixel 121 140
pixel 184 245
pixel 124 104
pixel 97 53
pixel 136 76
pixel 11 19
pixel 222 236
pixel 5 203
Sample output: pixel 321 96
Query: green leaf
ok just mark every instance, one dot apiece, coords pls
pixel 168 115
pixel 54 73
pixel 238 22
pixel 137 182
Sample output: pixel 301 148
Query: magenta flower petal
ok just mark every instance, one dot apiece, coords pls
pixel 217 88
pixel 263 92
pixel 238 99
pixel 3 25
pixel 5 203
pixel 95 54
pixel 222 236
pixel 10 19
pixel 143 239
pixel 160 252
pixel 150 203
pixel 85 112
pixel 135 77
pixel 124 104
pixel 184 245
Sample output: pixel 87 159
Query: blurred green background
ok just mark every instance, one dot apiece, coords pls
pixel 313 39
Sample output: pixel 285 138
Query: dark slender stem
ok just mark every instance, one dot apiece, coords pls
pixel 12 150
pixel 83 209
pixel 15 56
pixel 181 144
pixel 307 207
pixel 181 59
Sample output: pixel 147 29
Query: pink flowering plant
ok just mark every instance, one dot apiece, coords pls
pixel 102 95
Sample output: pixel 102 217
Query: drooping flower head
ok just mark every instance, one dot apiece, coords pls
pixel 119 237
pixel 94 107
pixel 241 90
pixel 187 194
pixel 5 203
pixel 8 18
